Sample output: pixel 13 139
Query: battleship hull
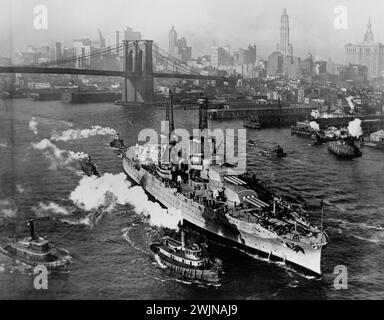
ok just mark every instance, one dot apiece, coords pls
pixel 302 255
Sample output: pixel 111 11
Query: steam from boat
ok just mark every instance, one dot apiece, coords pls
pixel 8 208
pixel 314 125
pixel 350 103
pixel 3 143
pixel 94 193
pixel 59 158
pixel 33 125
pixel 354 128
pixel 42 209
pixel 72 134
pixel 20 189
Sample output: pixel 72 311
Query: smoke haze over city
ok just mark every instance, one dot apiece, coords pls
pixel 202 23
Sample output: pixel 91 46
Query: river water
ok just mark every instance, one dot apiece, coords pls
pixel 108 239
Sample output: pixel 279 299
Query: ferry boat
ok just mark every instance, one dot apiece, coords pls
pixel 188 262
pixel 303 129
pixel 230 204
pixel 35 251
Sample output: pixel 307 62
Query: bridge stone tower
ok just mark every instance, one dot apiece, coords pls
pixel 138 65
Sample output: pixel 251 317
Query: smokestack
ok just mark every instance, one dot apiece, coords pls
pixel 169 113
pixel 32 229
pixel 182 239
pixel 182 236
pixel 203 122
pixel 203 114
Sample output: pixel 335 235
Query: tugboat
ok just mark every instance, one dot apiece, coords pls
pixel 279 152
pixel 117 143
pixel 89 167
pixel 189 262
pixel 35 251
pixel 344 149
pixel 252 122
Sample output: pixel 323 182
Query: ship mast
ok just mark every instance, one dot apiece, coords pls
pixel 169 113
pixel 322 214
pixel 31 229
pixel 203 123
pixel 170 121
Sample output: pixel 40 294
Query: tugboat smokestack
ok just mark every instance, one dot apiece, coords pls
pixel 182 236
pixel 32 229
pixel 182 239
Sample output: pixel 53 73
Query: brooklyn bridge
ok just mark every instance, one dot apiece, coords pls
pixel 137 69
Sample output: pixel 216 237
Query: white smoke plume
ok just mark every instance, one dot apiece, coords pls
pixel 59 158
pixel 33 125
pixel 354 128
pixel 94 193
pixel 314 125
pixel 52 208
pixel 3 142
pixel 350 102
pixel 8 208
pixel 20 189
pixel 72 134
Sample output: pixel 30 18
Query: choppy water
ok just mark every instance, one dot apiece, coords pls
pixel 109 266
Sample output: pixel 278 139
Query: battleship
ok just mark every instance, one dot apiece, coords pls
pixel 228 203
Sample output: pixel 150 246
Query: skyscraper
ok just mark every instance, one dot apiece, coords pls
pixel 285 47
pixel 129 34
pixel 102 42
pixel 178 47
pixel 367 53
pixel 274 64
pixel 172 41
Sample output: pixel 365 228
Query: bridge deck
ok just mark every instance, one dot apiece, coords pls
pixel 109 73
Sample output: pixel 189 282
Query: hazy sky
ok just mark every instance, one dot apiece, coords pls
pixel 203 22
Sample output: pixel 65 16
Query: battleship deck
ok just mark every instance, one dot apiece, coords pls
pixel 304 254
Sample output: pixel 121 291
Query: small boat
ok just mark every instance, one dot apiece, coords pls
pixel 188 262
pixel 89 167
pixel 252 122
pixel 118 143
pixel 35 251
pixel 279 152
pixel 251 142
pixel 344 149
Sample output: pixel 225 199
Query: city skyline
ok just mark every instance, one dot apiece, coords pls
pixel 254 22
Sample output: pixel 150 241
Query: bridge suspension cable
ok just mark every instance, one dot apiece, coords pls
pixel 83 57
pixel 180 67
pixel 177 62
